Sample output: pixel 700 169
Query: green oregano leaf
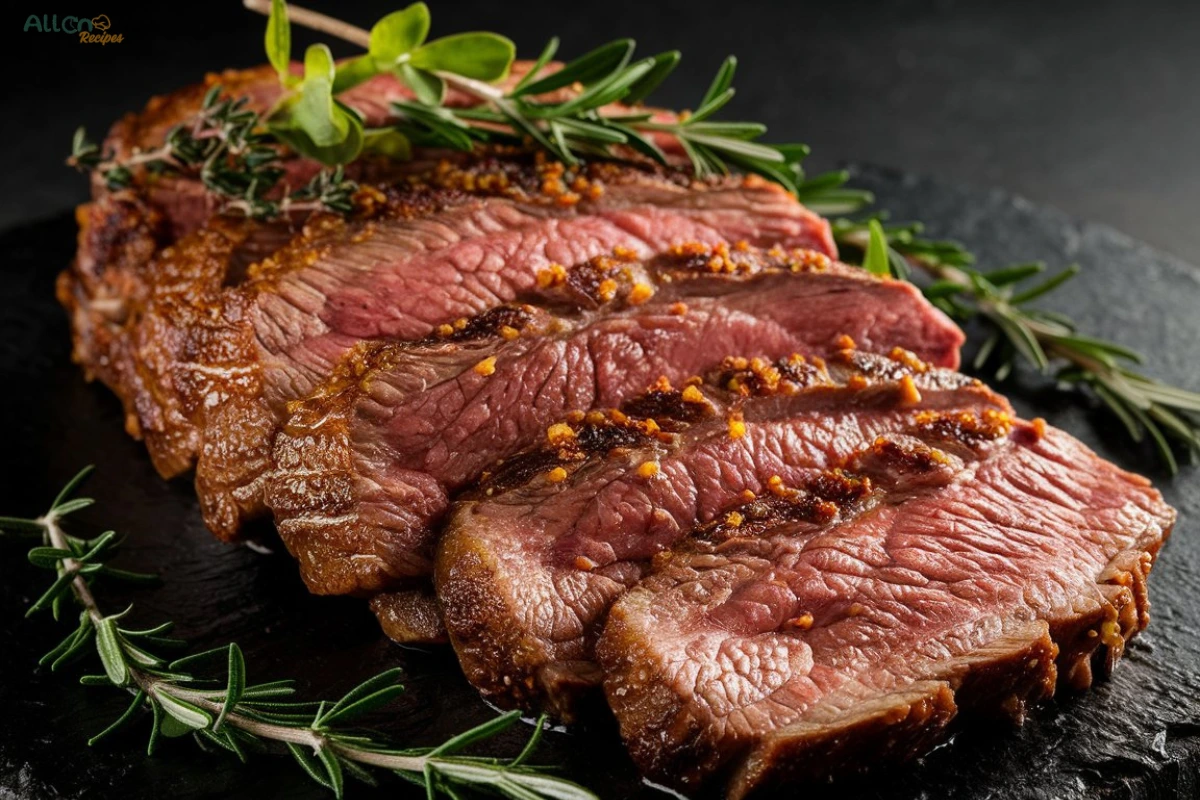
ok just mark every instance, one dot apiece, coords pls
pixel 314 111
pixel 387 142
pixel 479 55
pixel 353 72
pixel 397 34
pixel 429 88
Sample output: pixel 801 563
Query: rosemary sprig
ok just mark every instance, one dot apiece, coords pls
pixel 236 152
pixel 1047 341
pixel 583 125
pixel 233 715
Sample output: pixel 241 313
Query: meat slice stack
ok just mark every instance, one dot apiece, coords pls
pixel 792 570
pixel 953 567
pixel 366 467
pixel 676 455
pixel 530 565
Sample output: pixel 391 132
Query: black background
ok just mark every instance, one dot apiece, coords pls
pixel 1092 107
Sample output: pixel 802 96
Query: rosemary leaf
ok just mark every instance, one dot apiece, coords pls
pixel 72 485
pixel 236 685
pixel 110 652
pixel 138 699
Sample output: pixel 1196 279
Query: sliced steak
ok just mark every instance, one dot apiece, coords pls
pixel 850 623
pixel 121 231
pixel 529 565
pixel 216 371
pixel 365 469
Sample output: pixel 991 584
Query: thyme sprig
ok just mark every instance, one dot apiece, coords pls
pixel 236 152
pixel 236 716
pixel 225 145
pixel 1047 341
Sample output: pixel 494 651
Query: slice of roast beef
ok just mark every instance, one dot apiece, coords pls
pixel 529 565
pixel 121 231
pixel 851 620
pixel 365 468
pixel 216 371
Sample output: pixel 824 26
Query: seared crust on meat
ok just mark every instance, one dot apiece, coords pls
pixel 909 619
pixel 530 562
pixel 218 357
pixel 365 468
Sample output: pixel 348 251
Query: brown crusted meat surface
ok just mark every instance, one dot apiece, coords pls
pixel 938 574
pixel 213 363
pixel 776 568
pixel 366 467
pixel 529 564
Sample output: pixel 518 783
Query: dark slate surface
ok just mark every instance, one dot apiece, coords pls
pixel 1137 735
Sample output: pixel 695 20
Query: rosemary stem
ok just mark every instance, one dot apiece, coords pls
pixel 151 685
pixel 58 538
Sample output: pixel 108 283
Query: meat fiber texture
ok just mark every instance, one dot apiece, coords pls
pixel 366 468
pixel 812 648
pixel 207 340
pixel 811 562
pixel 530 562
pixel 815 580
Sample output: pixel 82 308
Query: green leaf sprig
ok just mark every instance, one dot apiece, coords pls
pixel 311 120
pixel 235 159
pixel 233 715
pixel 1047 341
pixel 583 125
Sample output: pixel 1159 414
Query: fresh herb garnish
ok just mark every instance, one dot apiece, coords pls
pixel 1044 339
pixel 233 715
pixel 224 145
pixel 583 125
pixel 236 155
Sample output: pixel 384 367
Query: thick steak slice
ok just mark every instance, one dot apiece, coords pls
pixel 115 270
pixel 848 625
pixel 527 568
pixel 120 231
pixel 216 371
pixel 365 468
